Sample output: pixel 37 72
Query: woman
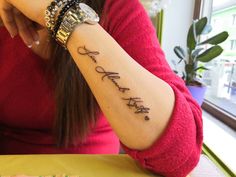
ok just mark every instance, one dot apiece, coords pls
pixel 119 62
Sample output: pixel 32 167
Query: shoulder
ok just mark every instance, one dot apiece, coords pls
pixel 118 7
pixel 118 13
pixel 120 3
pixel 129 24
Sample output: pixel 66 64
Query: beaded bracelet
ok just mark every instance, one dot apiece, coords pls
pixel 51 12
pixel 61 15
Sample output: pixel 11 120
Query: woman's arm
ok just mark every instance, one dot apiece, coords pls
pixel 137 104
pixel 176 152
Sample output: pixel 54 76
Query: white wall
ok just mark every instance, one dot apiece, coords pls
pixel 177 19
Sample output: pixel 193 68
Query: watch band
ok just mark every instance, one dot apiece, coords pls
pixel 73 17
pixel 61 15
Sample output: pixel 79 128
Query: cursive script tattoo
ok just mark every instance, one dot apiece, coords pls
pixel 112 76
pixel 146 118
pixel 92 54
pixel 135 102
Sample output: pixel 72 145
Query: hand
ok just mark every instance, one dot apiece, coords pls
pixel 1 23
pixel 24 17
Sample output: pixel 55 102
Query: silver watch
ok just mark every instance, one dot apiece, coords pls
pixel 80 13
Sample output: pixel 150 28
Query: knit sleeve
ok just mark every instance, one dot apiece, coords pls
pixel 178 149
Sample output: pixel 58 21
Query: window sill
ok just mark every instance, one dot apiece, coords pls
pixel 221 140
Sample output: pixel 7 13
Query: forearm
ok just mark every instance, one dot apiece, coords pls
pixel 115 78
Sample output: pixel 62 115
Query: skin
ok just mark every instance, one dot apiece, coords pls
pixel 138 115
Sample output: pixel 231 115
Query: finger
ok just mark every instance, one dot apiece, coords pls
pixel 9 21
pixel 34 34
pixel 33 30
pixel 1 23
pixel 23 28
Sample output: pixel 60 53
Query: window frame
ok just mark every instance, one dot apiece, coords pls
pixel 204 8
pixel 218 113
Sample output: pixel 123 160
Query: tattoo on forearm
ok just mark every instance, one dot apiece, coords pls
pixel 112 76
pixel 132 102
pixel 135 102
pixel 92 54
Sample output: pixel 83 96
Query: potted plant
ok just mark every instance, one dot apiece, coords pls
pixel 197 52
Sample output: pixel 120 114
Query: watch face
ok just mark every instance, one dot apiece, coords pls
pixel 92 15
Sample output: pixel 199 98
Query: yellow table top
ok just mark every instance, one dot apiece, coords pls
pixel 79 165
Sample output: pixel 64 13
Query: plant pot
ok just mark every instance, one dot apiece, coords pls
pixel 198 93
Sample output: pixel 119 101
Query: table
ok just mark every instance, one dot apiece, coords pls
pixel 81 165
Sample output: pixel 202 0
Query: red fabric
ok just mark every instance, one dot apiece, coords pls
pixel 27 104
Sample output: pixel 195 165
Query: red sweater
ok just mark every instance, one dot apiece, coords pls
pixel 27 105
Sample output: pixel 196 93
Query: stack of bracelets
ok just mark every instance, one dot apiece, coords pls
pixel 62 16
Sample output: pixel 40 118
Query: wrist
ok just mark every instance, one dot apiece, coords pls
pixel 76 15
pixel 40 19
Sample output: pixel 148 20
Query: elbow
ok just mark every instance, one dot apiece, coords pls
pixel 177 151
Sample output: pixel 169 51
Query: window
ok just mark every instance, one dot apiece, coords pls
pixel 215 21
pixel 234 19
pixel 233 44
pixel 221 78
pixel 220 99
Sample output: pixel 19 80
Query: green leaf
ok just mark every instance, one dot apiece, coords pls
pixel 217 39
pixel 210 54
pixel 179 51
pixel 199 25
pixel 201 68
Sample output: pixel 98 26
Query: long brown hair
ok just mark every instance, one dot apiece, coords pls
pixel 76 106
